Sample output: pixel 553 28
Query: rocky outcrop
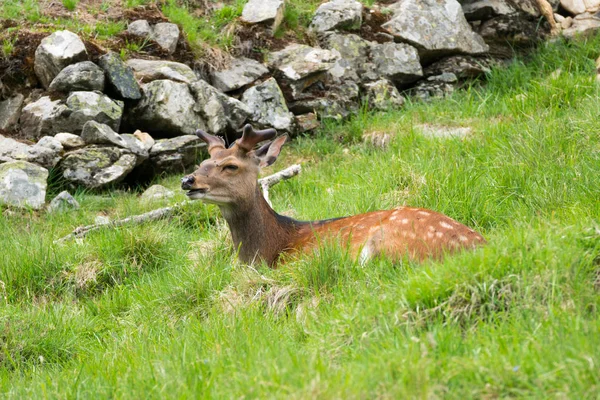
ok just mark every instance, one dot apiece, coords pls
pixel 151 70
pixel 268 12
pixel 10 111
pixel 435 28
pixel 60 49
pixel 268 107
pixel 88 106
pixel 23 184
pixel 41 154
pixel 37 117
pixel 240 73
pixel 220 111
pixel 397 62
pixel 337 14
pixel 119 76
pixel 83 76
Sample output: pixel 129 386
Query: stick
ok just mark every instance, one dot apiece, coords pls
pixel 167 212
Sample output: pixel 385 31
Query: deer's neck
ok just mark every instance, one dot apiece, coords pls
pixel 258 232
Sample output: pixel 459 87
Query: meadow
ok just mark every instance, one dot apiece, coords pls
pixel 164 310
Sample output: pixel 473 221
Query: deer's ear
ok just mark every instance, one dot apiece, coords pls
pixel 268 153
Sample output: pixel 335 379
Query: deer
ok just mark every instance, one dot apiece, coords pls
pixel 229 179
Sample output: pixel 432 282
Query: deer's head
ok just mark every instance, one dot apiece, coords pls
pixel 229 176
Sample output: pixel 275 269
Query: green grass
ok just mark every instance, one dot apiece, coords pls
pixel 164 310
pixel 70 4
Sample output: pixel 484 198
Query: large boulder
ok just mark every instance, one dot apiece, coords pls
pixel 40 154
pixel 505 33
pixel 121 81
pixel 166 109
pixel 23 184
pixel 97 166
pixel 298 61
pixel 96 133
pixel 577 7
pixel 37 118
pixel 219 110
pixel 397 62
pixel 166 35
pixel 89 106
pixel 240 73
pixel 337 14
pixel 269 12
pixel 150 70
pixel 83 76
pixel 268 107
pixel 10 111
pixel 338 103
pixel 55 52
pixel 435 28
pixel 354 57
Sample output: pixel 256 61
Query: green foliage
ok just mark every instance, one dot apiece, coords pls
pixel 70 4
pixel 163 308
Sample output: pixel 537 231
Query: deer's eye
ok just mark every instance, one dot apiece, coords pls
pixel 230 167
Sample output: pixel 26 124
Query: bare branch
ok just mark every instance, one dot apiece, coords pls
pixel 271 180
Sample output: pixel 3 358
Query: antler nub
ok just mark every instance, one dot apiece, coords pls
pixel 251 138
pixel 212 141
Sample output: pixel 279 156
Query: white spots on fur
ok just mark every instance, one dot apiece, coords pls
pixel 365 254
pixel 405 221
pixel 423 213
pixel 463 238
pixel 439 234
pixel 393 218
pixel 374 229
pixel 430 235
pixel 412 235
pixel 431 228
pixel 446 225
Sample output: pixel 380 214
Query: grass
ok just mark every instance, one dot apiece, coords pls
pixel 164 310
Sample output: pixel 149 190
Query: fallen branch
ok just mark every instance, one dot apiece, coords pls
pixel 167 212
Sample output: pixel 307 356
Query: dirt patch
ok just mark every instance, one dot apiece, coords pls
pixel 253 41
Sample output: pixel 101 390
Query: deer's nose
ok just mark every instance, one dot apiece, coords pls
pixel 187 182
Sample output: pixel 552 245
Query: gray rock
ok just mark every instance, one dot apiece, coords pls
pixel 298 61
pixel 506 32
pixel 478 10
pixel 337 14
pixel 23 184
pixel 69 141
pixel 157 192
pixel 136 146
pixel 219 110
pixel 97 166
pixel 37 118
pixel 268 107
pixel 140 28
pixel 577 7
pixel 464 67
pixel 175 155
pixel 10 111
pixel 435 28
pixel 264 11
pixel 120 77
pixel 166 35
pixel 340 101
pixel 583 25
pixel 52 143
pixel 37 154
pixel 145 139
pixel 166 109
pixel 63 202
pixel 84 76
pixel 241 72
pixel 382 95
pixel 89 106
pixel 96 133
pixel 435 86
pixel 55 52
pixel 307 122
pixel 397 62
pixel 151 70
pixel 354 55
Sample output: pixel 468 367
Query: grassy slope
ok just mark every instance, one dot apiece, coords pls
pixel 163 310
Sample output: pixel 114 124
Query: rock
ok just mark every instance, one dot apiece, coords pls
pixel 10 111
pixel 268 107
pixel 218 110
pixel 97 166
pixel 120 77
pixel 151 70
pixel 145 139
pixel 166 35
pixel 481 10
pixel 157 192
pixel 52 143
pixel 577 7
pixel 136 146
pixel 583 25
pixel 102 220
pixel 83 76
pixel 37 118
pixel 307 122
pixel 55 52
pixel 464 67
pixel 166 109
pixel 23 184
pixel 38 154
pixel 90 106
pixel 435 28
pixel 241 72
pixel 340 101
pixel 382 95
pixel 337 14
pixel 506 32
pixel 63 202
pixel 298 61
pixel 354 54
pixel 397 62
pixel 140 28
pixel 435 86
pixel 175 155
pixel 97 133
pixel 264 11
pixel 69 141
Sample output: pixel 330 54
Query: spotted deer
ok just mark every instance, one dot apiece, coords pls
pixel 229 180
